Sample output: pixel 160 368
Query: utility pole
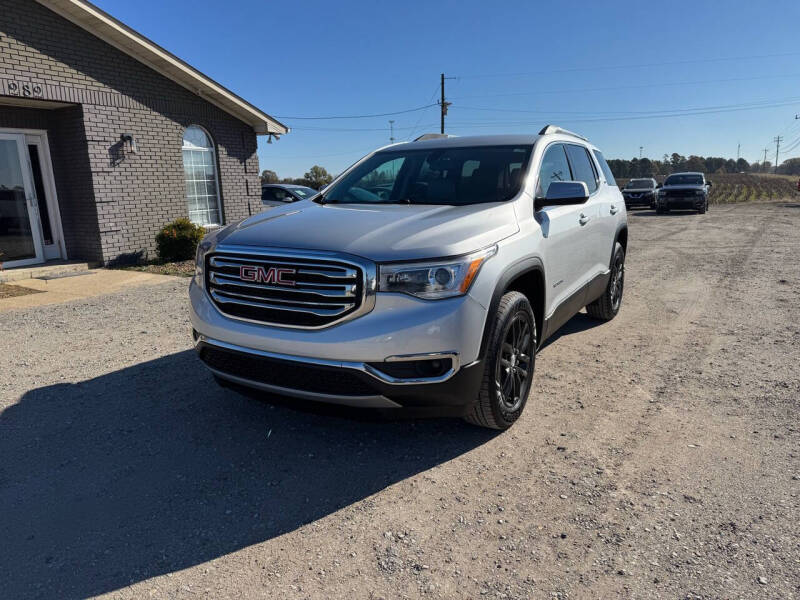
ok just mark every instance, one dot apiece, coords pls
pixel 777 141
pixel 640 152
pixel 738 151
pixel 764 164
pixel 391 131
pixel 444 104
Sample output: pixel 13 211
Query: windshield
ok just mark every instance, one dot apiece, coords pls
pixel 640 183
pixel 303 192
pixel 455 176
pixel 684 179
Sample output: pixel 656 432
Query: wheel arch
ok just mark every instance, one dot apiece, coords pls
pixel 621 237
pixel 527 277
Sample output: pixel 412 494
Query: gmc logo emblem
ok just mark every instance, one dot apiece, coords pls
pixel 262 275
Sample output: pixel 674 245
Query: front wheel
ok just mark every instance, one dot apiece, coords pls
pixel 510 359
pixel 607 306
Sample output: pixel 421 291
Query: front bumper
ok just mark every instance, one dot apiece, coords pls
pixel 398 327
pixel 346 383
pixel 643 200
pixel 688 202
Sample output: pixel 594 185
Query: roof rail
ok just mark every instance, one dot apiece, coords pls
pixel 556 129
pixel 433 136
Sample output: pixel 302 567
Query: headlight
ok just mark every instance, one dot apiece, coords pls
pixel 433 279
pixel 699 192
pixel 200 258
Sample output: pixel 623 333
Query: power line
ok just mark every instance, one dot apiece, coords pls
pixel 754 103
pixel 630 66
pixel 352 128
pixel 630 87
pixel 416 125
pixel 636 117
pixel 387 114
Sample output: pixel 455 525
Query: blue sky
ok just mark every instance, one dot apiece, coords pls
pixel 600 68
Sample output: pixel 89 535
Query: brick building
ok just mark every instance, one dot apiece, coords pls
pixel 105 137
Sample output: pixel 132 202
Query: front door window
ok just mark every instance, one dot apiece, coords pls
pixel 20 239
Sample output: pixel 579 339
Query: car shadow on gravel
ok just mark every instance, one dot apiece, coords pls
pixel 154 468
pixel 580 322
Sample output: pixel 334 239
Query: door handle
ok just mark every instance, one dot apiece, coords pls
pixel 614 210
pixel 583 220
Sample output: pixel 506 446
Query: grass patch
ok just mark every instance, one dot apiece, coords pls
pixel 182 268
pixel 11 291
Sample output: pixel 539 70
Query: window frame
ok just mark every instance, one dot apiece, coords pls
pixel 591 162
pixel 212 149
pixel 598 156
pixel 541 162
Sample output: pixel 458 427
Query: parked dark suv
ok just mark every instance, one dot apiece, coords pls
pixel 683 191
pixel 640 192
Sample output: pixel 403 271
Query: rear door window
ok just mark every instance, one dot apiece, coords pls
pixel 582 168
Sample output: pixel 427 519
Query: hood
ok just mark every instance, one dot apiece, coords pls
pixel 377 232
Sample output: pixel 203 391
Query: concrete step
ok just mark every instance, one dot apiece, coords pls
pixel 48 269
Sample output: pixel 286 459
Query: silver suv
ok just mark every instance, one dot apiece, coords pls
pixel 425 276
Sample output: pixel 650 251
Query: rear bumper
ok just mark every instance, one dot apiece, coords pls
pixel 338 382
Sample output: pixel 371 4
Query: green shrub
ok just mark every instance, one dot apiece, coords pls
pixel 178 240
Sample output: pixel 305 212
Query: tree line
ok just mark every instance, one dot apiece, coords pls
pixel 676 163
pixel 316 177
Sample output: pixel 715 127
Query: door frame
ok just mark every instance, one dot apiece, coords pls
pixel 31 208
pixel 48 181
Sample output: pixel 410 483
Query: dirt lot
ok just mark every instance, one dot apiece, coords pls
pixel 659 456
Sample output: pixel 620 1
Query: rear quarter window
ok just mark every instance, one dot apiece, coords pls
pixel 605 168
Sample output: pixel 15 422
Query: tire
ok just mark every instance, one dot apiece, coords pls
pixel 512 345
pixel 607 306
pixel 702 210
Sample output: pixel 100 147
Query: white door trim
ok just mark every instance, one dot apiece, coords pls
pixel 40 140
pixel 30 201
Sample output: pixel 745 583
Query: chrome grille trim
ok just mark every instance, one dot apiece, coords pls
pixel 347 290
pixel 329 287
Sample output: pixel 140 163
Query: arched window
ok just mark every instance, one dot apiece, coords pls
pixel 200 173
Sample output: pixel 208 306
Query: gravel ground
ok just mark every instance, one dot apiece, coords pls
pixel 657 457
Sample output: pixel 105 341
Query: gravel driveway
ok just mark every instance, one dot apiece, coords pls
pixel 658 456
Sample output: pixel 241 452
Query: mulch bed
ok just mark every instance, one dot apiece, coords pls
pixel 184 268
pixel 10 291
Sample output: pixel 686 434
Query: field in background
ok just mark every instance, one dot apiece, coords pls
pixel 745 187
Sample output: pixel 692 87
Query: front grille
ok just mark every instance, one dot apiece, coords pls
pixel 289 291
pixel 286 374
pixel 680 193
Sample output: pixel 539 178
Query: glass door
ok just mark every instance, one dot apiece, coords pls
pixel 20 235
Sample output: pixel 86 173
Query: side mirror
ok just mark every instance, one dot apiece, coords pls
pixel 561 193
pixel 659 185
pixel 709 184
